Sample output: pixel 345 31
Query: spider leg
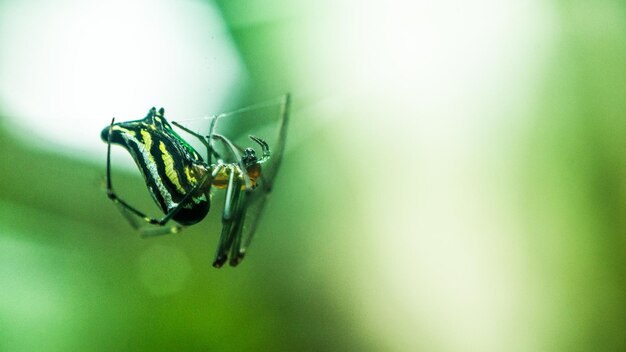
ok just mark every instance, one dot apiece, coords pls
pixel 235 205
pixel 231 219
pixel 128 209
pixel 205 140
pixel 236 251
pixel 237 156
pixel 264 147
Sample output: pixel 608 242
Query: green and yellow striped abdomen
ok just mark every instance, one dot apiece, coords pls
pixel 170 166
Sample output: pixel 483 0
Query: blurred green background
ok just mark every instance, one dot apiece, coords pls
pixel 454 177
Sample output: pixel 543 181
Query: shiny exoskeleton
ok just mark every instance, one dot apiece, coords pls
pixel 180 180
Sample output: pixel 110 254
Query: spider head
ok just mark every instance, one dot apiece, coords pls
pixel 249 157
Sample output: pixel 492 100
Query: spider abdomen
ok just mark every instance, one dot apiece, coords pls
pixel 170 167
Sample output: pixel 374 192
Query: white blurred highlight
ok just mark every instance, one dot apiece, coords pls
pixel 435 96
pixel 69 66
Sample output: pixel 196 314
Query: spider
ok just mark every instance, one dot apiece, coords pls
pixel 180 181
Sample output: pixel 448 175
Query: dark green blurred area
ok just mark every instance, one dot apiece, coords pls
pixel 577 174
pixel 70 236
pixel 76 277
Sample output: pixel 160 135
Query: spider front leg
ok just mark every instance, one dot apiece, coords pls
pixel 264 147
pixel 236 253
pixel 232 220
pixel 235 205
pixel 236 155
pixel 230 217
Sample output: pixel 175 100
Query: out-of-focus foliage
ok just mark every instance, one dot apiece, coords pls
pixel 576 181
pixel 454 179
